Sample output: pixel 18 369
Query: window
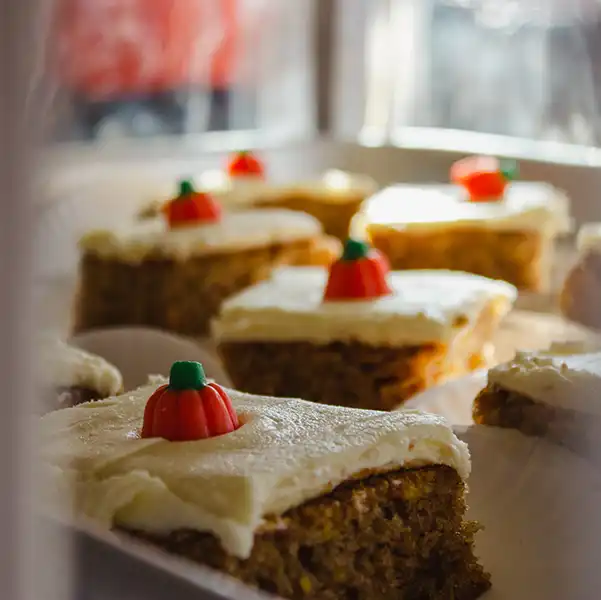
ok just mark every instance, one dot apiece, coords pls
pixel 137 69
pixel 437 71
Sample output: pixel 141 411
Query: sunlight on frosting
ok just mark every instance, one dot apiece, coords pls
pixel 338 180
pixel 535 205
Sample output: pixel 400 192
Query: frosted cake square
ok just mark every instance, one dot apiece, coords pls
pixel 358 335
pixel 298 499
pixel 580 297
pixel 173 272
pixel 333 198
pixel 482 225
pixel 73 376
pixel 547 394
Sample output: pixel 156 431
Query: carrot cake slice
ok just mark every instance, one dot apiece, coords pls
pixel 482 223
pixel 548 394
pixel 72 376
pixel 333 198
pixel 357 335
pixel 298 499
pixel 580 296
pixel 173 272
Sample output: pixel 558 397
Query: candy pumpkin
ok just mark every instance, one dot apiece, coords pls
pixel 245 164
pixel 484 177
pixel 360 274
pixel 190 207
pixel 189 407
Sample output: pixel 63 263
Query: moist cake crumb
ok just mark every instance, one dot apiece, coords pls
pixel 392 536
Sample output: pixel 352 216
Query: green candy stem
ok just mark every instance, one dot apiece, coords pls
pixel 509 169
pixel 186 188
pixel 187 375
pixel 355 249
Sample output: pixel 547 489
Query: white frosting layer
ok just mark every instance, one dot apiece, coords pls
pixel 426 306
pixel 236 231
pixel 555 378
pixel 62 365
pixel 531 206
pixel 286 452
pixel 239 191
pixel 333 186
pixel 589 237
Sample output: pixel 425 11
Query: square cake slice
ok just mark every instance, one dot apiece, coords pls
pixel 548 394
pixel 175 275
pixel 303 500
pixel 283 337
pixel 481 224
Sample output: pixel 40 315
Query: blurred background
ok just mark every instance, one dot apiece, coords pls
pixel 137 69
pixel 139 92
pixel 133 68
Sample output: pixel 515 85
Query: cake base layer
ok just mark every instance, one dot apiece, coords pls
pixel 580 297
pixel 576 431
pixel 521 258
pixel 335 216
pixel 64 397
pixel 349 374
pixel 393 536
pixel 180 296
pixel 322 252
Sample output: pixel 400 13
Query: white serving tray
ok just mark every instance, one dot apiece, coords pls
pixel 139 352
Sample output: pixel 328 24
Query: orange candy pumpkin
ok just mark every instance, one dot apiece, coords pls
pixel 360 274
pixel 188 408
pixel 191 207
pixel 484 177
pixel 245 164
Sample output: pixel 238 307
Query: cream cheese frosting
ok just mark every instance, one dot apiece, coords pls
pixel 332 186
pixel 62 365
pixel 555 378
pixel 237 231
pixel 425 306
pixel 234 191
pixel 526 205
pixel 589 237
pixel 287 451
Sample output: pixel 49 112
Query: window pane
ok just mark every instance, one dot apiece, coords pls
pixel 523 68
pixel 133 68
